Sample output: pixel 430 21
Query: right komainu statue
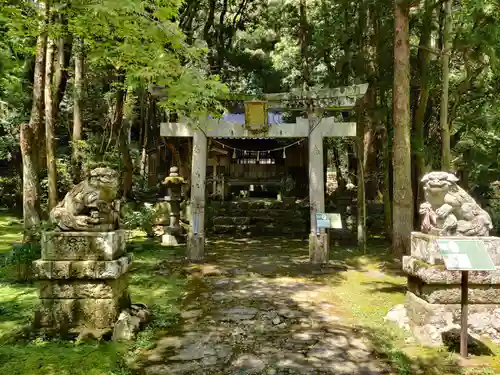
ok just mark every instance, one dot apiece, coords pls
pixel 449 210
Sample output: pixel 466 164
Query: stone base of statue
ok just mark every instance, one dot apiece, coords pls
pixel 172 238
pixel 433 299
pixel 82 278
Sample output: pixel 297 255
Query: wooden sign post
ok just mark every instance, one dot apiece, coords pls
pixel 325 221
pixel 465 255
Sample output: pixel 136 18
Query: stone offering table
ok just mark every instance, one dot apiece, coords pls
pixel 82 279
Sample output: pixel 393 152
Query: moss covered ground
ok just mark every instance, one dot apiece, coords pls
pixel 368 286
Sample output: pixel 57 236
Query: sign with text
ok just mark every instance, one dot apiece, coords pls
pixel 465 255
pixel 331 221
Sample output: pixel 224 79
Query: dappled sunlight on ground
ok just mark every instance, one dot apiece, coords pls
pixel 10 232
pixel 257 307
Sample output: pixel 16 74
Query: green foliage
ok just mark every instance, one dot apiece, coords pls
pixel 142 41
pixel 142 218
pixel 23 253
pixel 11 192
pixel 93 154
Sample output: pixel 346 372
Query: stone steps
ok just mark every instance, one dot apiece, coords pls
pixel 257 218
pixel 248 220
pixel 249 212
pixel 256 230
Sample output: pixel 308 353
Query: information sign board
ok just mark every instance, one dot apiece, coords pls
pixel 465 255
pixel 331 221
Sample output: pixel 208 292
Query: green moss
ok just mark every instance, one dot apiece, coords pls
pixel 369 289
pixel 421 264
pixel 11 230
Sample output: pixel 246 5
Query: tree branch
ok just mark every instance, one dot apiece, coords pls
pixel 430 50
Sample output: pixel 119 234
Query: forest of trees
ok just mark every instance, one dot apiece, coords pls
pixel 76 78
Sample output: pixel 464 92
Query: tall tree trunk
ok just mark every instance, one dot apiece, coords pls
pixel 143 139
pixel 50 124
pixel 121 135
pixel 154 137
pixel 305 37
pixel 445 126
pixel 128 166
pixel 61 64
pixel 386 162
pixel 401 159
pixel 338 162
pixel 370 100
pixel 424 57
pixel 77 109
pixel 28 144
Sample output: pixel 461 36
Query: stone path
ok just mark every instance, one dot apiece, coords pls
pixel 257 310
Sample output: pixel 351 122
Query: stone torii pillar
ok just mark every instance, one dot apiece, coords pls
pixel 318 246
pixel 196 235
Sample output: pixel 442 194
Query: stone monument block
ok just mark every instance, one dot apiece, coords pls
pixel 81 269
pixel 83 245
pixel 76 313
pixel 96 289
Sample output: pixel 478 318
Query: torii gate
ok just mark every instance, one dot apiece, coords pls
pixel 256 118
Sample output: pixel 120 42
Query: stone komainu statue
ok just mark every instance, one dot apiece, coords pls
pixel 449 210
pixel 91 205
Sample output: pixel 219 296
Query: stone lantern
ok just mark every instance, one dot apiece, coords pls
pixel 173 231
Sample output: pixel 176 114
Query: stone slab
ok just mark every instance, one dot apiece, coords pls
pixel 79 269
pixel 83 245
pixel 451 294
pixel 421 312
pixel 424 248
pixel 73 289
pixel 437 274
pixel 63 314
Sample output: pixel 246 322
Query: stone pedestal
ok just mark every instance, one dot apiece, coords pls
pixel 170 239
pixel 82 280
pixel 433 297
pixel 196 247
pixel 318 248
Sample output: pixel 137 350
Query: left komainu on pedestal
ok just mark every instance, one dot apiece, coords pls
pixel 82 274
